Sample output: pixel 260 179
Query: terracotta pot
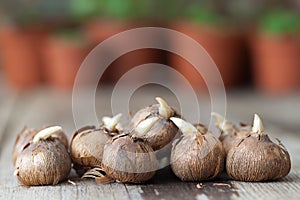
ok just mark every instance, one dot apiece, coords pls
pixel 276 63
pixel 20 56
pixel 130 60
pixel 98 31
pixel 226 48
pixel 63 58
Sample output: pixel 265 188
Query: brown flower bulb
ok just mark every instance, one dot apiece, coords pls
pixel 257 158
pixel 62 137
pixel 130 160
pixel 27 135
pixel 230 134
pixel 161 133
pixel 87 144
pixel 197 155
pixel 43 161
pixel 23 138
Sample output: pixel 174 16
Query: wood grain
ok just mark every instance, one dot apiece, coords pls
pixel 6 108
pixel 45 107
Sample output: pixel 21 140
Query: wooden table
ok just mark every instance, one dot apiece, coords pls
pixel 37 108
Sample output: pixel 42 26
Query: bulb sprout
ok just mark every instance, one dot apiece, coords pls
pixel 222 123
pixel 184 126
pixel 164 108
pixel 46 133
pixel 111 123
pixel 143 127
pixel 257 125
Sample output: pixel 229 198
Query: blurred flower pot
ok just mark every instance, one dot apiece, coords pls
pixel 276 63
pixel 98 31
pixel 117 16
pixel 20 56
pixel 276 51
pixel 63 57
pixel 226 48
pixel 130 60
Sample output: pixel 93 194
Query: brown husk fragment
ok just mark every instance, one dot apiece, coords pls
pixel 230 134
pixel 257 158
pixel 26 136
pixel 86 148
pixel 23 138
pixel 129 160
pixel 232 139
pixel 45 162
pixel 197 156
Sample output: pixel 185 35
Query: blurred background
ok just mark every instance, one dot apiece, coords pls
pixel 254 43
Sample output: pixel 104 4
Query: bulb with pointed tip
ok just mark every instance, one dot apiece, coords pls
pixel 197 155
pixel 230 133
pixel 27 135
pixel 257 158
pixel 163 131
pixel 87 144
pixel 129 160
pixel 43 161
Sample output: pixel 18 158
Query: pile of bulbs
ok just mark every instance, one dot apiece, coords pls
pixel 132 154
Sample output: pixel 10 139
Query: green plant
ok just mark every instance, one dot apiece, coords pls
pixel 205 16
pixel 168 10
pixel 126 9
pixel 280 21
pixel 205 13
pixel 82 10
pixel 71 35
pixel 118 9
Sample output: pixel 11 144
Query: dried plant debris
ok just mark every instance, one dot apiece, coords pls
pixel 71 182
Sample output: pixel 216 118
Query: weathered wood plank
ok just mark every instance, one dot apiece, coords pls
pixel 42 108
pixel 35 111
pixel 288 188
pixel 282 111
pixel 18 116
pixel 6 107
